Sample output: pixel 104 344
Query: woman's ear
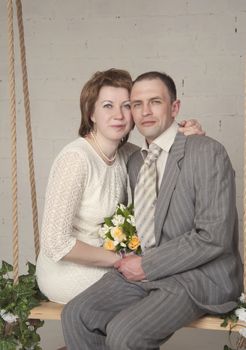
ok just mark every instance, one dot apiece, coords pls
pixel 93 124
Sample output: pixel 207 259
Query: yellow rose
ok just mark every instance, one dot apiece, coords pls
pixel 118 234
pixel 134 243
pixel 109 245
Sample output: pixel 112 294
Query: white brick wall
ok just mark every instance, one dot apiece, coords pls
pixel 202 44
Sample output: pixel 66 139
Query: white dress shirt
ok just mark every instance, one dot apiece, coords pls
pixel 165 141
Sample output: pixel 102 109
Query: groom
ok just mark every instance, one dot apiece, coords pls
pixel 184 198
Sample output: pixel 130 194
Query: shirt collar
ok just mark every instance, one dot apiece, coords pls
pixel 165 140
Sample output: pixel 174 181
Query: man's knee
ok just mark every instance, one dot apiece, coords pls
pixel 115 338
pixel 119 337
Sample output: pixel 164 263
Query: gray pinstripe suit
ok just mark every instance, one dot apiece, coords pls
pixel 195 267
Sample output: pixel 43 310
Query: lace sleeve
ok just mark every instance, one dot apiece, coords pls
pixel 65 187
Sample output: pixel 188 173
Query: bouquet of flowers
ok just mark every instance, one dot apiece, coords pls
pixel 119 231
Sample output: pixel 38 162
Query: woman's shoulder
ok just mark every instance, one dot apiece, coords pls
pixel 73 154
pixel 69 165
pixel 77 145
pixel 75 149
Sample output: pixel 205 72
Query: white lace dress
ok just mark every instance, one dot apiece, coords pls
pixel 82 190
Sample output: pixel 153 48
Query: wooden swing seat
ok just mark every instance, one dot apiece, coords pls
pixel 49 310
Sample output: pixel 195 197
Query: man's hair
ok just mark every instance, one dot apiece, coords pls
pixel 166 79
pixel 112 77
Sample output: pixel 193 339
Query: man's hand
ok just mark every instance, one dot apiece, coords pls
pixel 131 268
pixel 191 127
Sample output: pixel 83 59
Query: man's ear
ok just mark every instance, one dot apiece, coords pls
pixel 175 108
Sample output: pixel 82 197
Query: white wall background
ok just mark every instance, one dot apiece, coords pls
pixel 201 44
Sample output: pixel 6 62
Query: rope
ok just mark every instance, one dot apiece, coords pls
pixel 244 199
pixel 12 106
pixel 28 127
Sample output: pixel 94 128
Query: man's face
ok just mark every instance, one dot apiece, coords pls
pixel 152 109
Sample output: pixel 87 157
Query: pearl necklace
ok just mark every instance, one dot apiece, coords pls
pixel 110 160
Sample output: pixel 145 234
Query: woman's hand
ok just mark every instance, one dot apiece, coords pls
pixel 190 127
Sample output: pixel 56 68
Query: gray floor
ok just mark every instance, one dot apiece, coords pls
pixel 185 339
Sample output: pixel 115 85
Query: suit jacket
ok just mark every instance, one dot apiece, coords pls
pixel 196 223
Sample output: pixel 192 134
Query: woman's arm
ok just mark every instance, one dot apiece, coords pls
pixel 85 254
pixel 66 185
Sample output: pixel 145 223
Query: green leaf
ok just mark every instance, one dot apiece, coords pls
pixel 31 268
pixel 226 347
pixel 19 299
pixel 139 251
pixel 224 323
pixel 5 268
pixel 108 221
pixel 7 345
pixel 108 235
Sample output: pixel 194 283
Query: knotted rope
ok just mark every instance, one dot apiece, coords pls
pixel 28 126
pixel 244 195
pixel 12 105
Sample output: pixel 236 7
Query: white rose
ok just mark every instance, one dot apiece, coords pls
pixel 118 220
pixel 103 230
pixel 131 220
pixel 7 316
pixel 122 207
pixel 242 298
pixel 241 314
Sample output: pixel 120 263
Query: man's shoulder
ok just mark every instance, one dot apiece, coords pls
pixel 128 148
pixel 126 151
pixel 197 143
pixel 204 150
pixel 134 162
pixel 135 156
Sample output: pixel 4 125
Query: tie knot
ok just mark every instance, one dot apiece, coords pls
pixel 153 154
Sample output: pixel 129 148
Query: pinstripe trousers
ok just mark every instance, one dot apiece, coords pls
pixel 116 314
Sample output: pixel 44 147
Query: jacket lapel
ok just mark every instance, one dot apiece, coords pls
pixel 134 170
pixel 169 180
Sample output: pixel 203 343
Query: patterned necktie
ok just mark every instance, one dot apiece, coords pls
pixel 145 198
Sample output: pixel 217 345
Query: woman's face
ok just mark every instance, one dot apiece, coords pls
pixel 112 114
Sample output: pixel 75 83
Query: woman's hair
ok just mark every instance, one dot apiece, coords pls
pixel 112 77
